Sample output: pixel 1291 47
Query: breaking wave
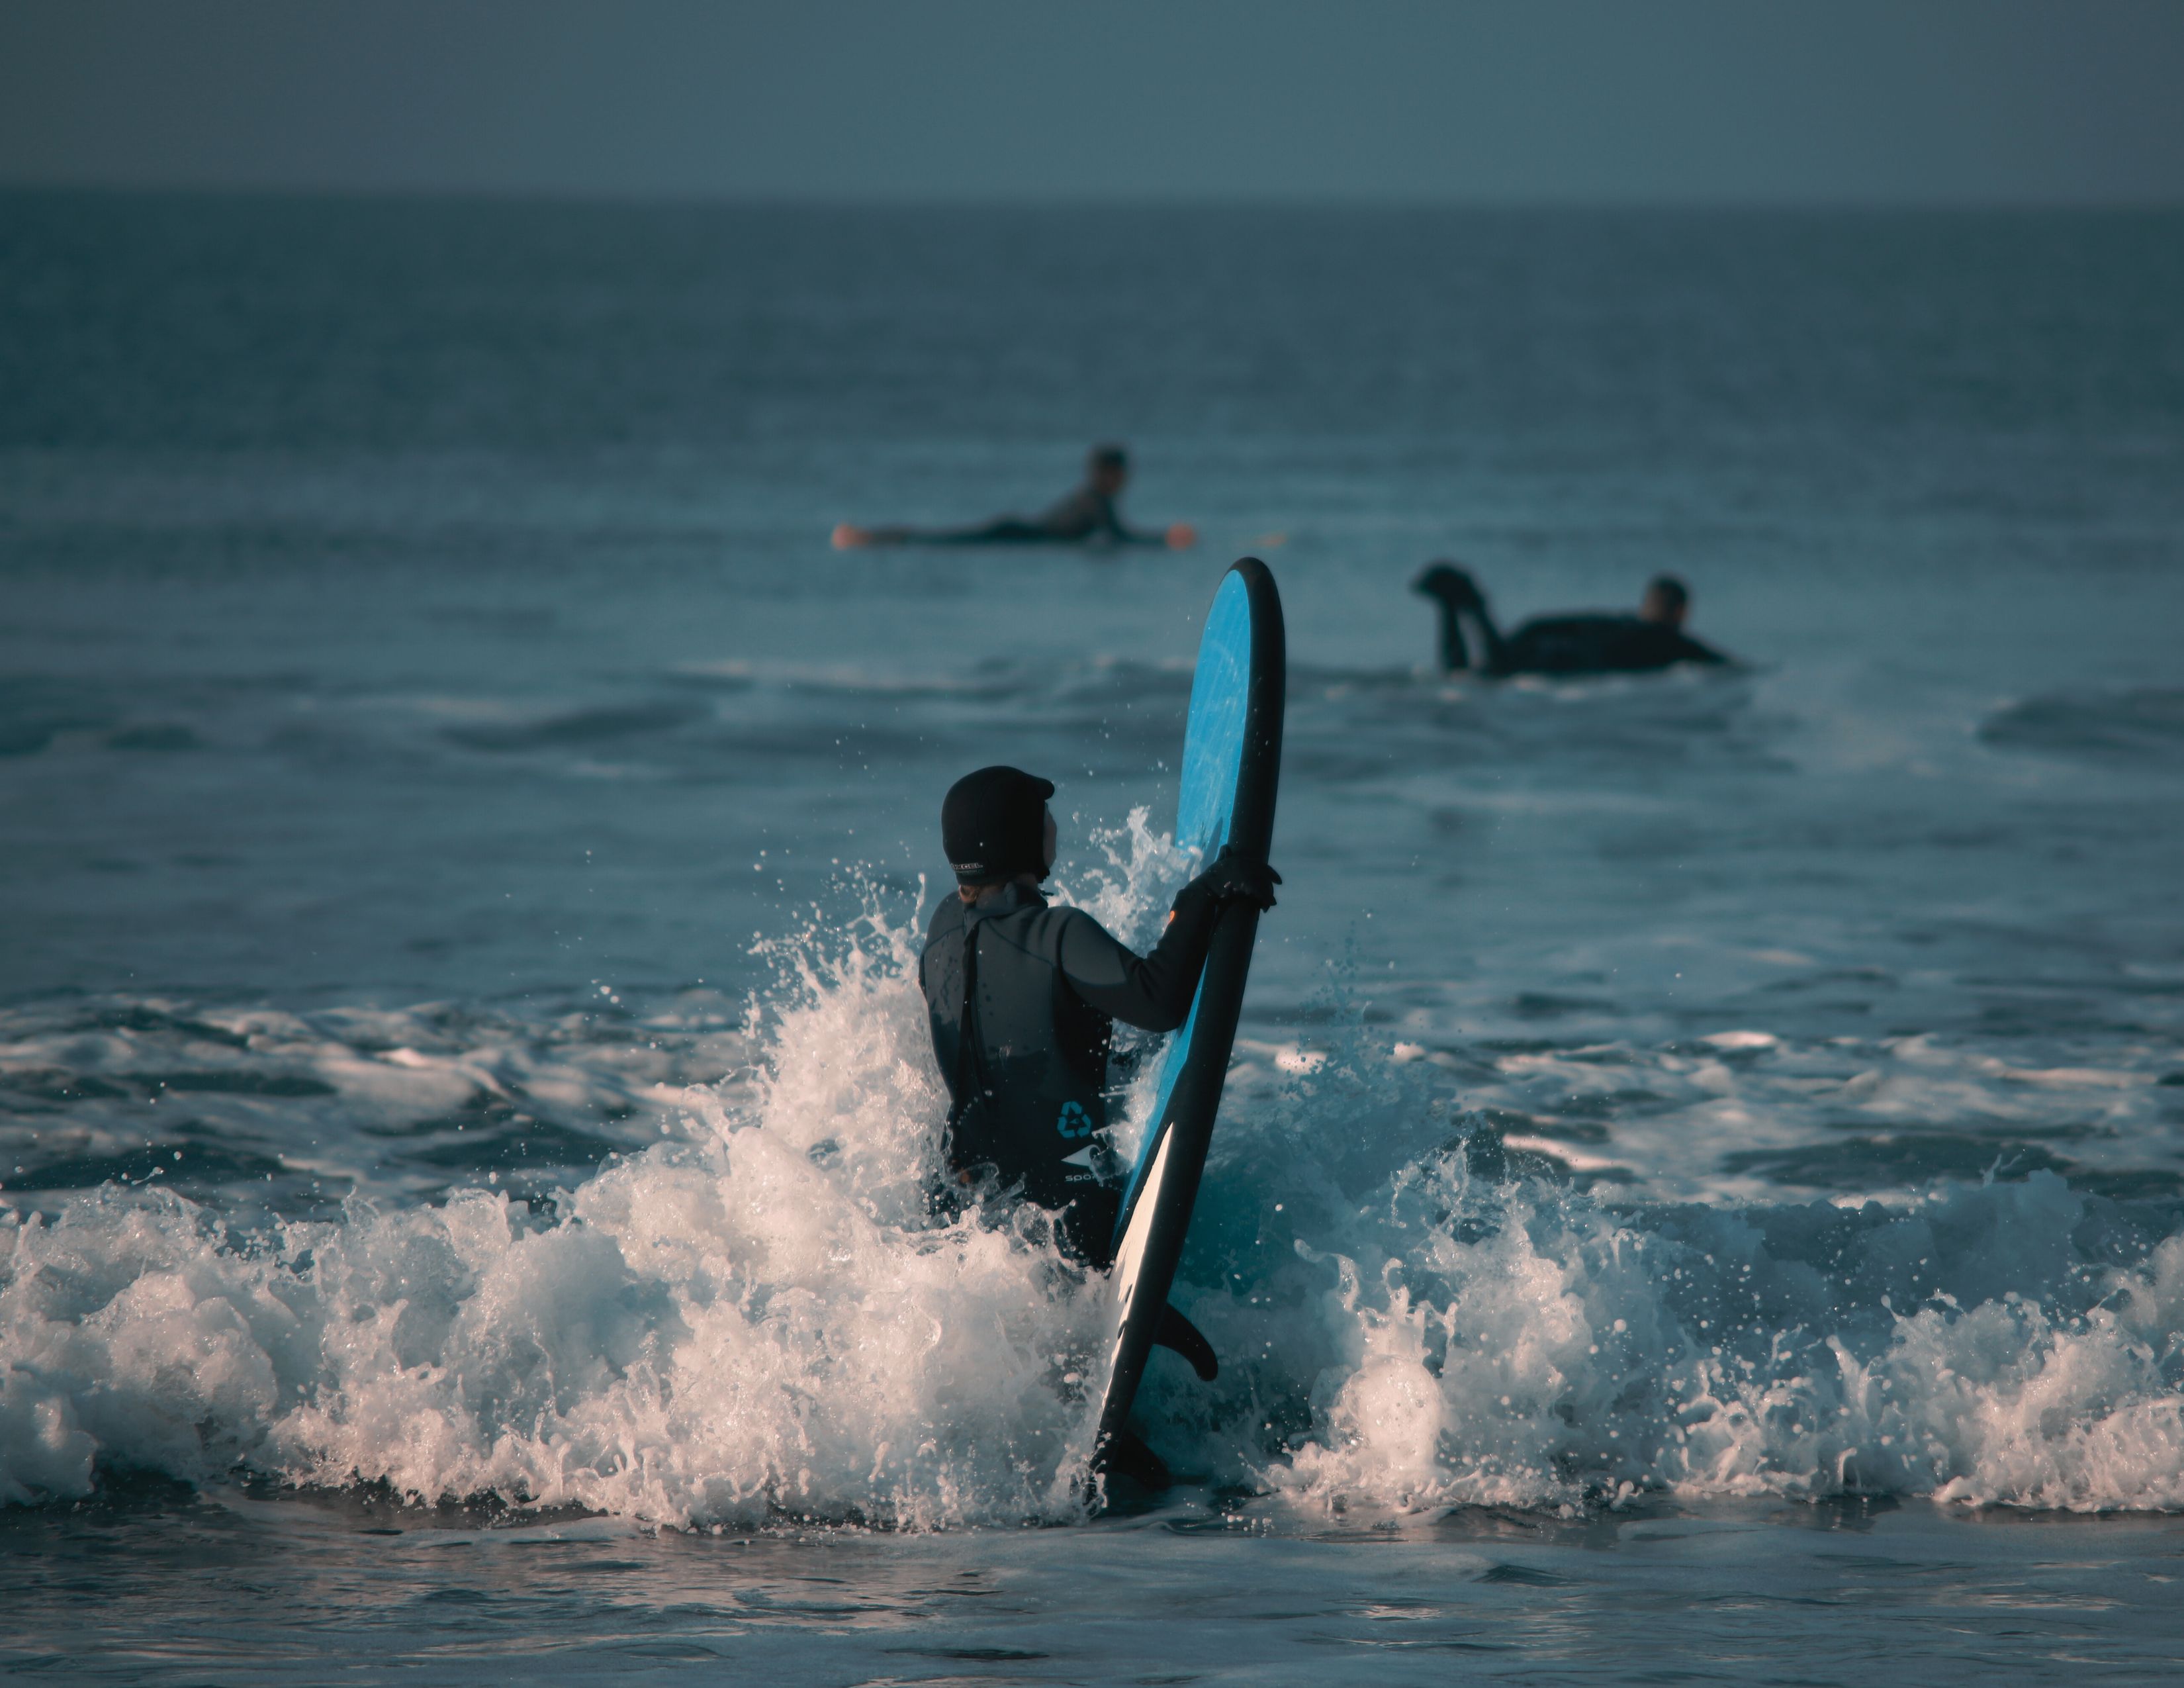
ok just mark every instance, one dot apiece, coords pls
pixel 756 1318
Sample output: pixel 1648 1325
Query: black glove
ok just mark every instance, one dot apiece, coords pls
pixel 1233 878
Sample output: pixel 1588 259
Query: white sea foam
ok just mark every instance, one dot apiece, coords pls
pixel 756 1317
pixel 1470 1330
pixel 1529 1349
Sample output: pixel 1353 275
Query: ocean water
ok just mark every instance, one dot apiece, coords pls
pixel 1701 1187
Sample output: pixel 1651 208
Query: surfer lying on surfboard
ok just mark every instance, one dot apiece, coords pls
pixel 1088 516
pixel 1596 643
pixel 1023 999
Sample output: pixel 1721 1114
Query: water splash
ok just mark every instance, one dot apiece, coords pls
pixel 754 1320
pixel 758 1318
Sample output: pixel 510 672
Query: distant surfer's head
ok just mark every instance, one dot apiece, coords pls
pixel 1665 603
pixel 1108 468
pixel 995 826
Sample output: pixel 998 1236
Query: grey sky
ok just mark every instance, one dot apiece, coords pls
pixel 1561 100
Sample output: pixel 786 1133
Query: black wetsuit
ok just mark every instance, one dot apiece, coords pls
pixel 1088 516
pixel 1572 644
pixel 1024 1051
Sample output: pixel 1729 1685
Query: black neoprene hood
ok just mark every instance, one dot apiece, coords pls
pixel 993 824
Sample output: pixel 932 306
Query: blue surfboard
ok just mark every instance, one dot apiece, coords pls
pixel 1232 754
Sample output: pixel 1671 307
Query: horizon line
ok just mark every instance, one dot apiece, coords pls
pixel 1073 200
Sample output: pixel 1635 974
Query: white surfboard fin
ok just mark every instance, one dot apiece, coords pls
pixel 1179 1334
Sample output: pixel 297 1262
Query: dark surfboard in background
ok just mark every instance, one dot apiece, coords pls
pixel 1232 756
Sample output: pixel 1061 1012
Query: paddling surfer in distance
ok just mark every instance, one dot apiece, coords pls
pixel 1088 516
pixel 1585 643
pixel 1022 999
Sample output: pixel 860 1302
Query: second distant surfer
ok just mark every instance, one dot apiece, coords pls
pixel 1023 997
pixel 1089 516
pixel 1567 645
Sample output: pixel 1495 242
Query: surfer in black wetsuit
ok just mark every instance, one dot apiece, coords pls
pixel 1652 638
pixel 1088 516
pixel 1024 998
